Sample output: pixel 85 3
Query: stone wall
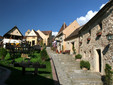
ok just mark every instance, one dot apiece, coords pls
pixel 76 45
pixel 90 50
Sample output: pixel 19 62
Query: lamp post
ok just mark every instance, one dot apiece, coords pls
pixel 110 38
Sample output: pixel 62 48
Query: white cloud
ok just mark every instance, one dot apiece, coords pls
pixel 84 19
pixel 54 33
pixel 102 6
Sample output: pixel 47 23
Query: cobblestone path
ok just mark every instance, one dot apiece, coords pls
pixel 69 72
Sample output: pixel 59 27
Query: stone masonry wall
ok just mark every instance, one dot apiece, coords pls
pixel 89 50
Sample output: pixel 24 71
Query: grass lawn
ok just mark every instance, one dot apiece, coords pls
pixel 16 78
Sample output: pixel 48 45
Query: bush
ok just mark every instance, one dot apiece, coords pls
pixel 44 54
pixel 85 64
pixel 3 53
pixel 108 76
pixel 78 56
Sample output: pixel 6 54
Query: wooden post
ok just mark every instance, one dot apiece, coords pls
pixel 36 71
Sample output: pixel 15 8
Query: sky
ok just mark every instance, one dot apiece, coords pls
pixel 45 15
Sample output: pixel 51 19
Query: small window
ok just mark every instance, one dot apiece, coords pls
pixel 73 43
pixel 100 25
pixel 90 32
pixel 84 54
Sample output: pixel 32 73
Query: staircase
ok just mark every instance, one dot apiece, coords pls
pixel 69 72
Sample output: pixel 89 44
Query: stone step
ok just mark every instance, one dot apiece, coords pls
pixel 84 78
pixel 78 73
pixel 86 83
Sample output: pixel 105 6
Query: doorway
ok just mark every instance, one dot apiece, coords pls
pixel 73 48
pixel 33 42
pixel 99 55
pixel 98 60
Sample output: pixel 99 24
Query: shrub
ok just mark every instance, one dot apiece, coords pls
pixel 108 76
pixel 44 54
pixel 3 53
pixel 85 64
pixel 74 50
pixel 78 56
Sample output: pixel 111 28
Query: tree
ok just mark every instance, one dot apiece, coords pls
pixel 44 54
pixel 3 53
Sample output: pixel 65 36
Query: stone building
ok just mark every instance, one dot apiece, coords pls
pixel 96 37
pixel 66 31
pixel 39 37
pixel 46 36
pixel 72 40
pixel 60 37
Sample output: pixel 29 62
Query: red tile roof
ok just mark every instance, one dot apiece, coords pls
pixel 63 27
pixel 46 32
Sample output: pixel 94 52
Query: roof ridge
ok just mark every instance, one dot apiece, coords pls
pixel 13 29
pixel 62 27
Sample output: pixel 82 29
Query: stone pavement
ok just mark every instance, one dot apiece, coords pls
pixel 69 72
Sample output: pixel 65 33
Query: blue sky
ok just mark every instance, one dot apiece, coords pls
pixel 45 14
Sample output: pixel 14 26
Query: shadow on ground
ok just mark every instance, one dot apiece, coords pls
pixel 16 78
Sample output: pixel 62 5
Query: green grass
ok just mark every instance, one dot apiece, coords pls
pixel 44 76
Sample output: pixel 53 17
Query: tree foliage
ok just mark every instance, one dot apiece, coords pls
pixel 3 53
pixel 108 76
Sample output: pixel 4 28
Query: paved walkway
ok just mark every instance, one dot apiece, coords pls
pixel 69 72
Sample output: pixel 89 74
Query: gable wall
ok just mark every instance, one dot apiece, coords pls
pixel 45 37
pixel 32 33
pixel 68 30
pixel 15 32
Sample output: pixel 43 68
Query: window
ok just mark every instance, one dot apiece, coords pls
pixel 100 25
